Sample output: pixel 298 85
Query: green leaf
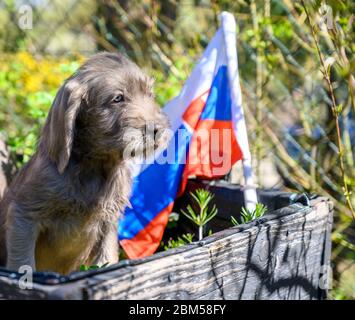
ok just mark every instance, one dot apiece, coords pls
pixel 234 221
pixel 187 216
pixel 247 215
pixel 339 108
pixel 84 267
pixel 202 198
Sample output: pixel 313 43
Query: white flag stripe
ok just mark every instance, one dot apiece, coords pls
pixel 199 81
pixel 230 40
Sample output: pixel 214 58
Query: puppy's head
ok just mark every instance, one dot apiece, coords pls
pixel 106 108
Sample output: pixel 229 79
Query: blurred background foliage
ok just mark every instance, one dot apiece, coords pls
pixel 296 118
pixel 27 88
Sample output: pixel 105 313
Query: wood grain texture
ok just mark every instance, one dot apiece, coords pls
pixel 279 259
pixel 285 255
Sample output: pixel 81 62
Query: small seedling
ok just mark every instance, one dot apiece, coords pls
pixel 184 239
pixel 202 198
pixel 84 267
pixel 249 215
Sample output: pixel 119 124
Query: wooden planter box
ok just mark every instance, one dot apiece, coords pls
pixel 283 255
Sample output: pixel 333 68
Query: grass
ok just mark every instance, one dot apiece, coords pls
pixel 180 241
pixel 250 215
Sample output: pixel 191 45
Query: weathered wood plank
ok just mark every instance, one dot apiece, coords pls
pixel 275 260
pixel 282 256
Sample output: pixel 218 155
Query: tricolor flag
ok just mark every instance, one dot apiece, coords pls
pixel 209 136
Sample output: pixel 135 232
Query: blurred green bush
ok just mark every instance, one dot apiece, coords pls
pixel 28 85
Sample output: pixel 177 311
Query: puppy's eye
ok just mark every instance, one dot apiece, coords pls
pixel 119 98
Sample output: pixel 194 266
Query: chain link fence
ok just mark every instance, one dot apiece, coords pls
pixel 287 103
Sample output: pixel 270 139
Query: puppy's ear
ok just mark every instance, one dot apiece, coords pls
pixel 60 126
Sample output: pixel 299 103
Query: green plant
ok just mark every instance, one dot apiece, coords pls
pixel 180 241
pixel 202 198
pixel 335 108
pixel 84 267
pixel 250 215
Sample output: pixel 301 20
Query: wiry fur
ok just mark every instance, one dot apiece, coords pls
pixel 62 208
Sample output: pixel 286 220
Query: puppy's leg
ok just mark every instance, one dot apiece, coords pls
pixel 106 249
pixel 20 241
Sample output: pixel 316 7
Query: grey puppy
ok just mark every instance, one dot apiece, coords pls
pixel 62 208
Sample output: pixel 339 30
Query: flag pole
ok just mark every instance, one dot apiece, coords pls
pixel 229 33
